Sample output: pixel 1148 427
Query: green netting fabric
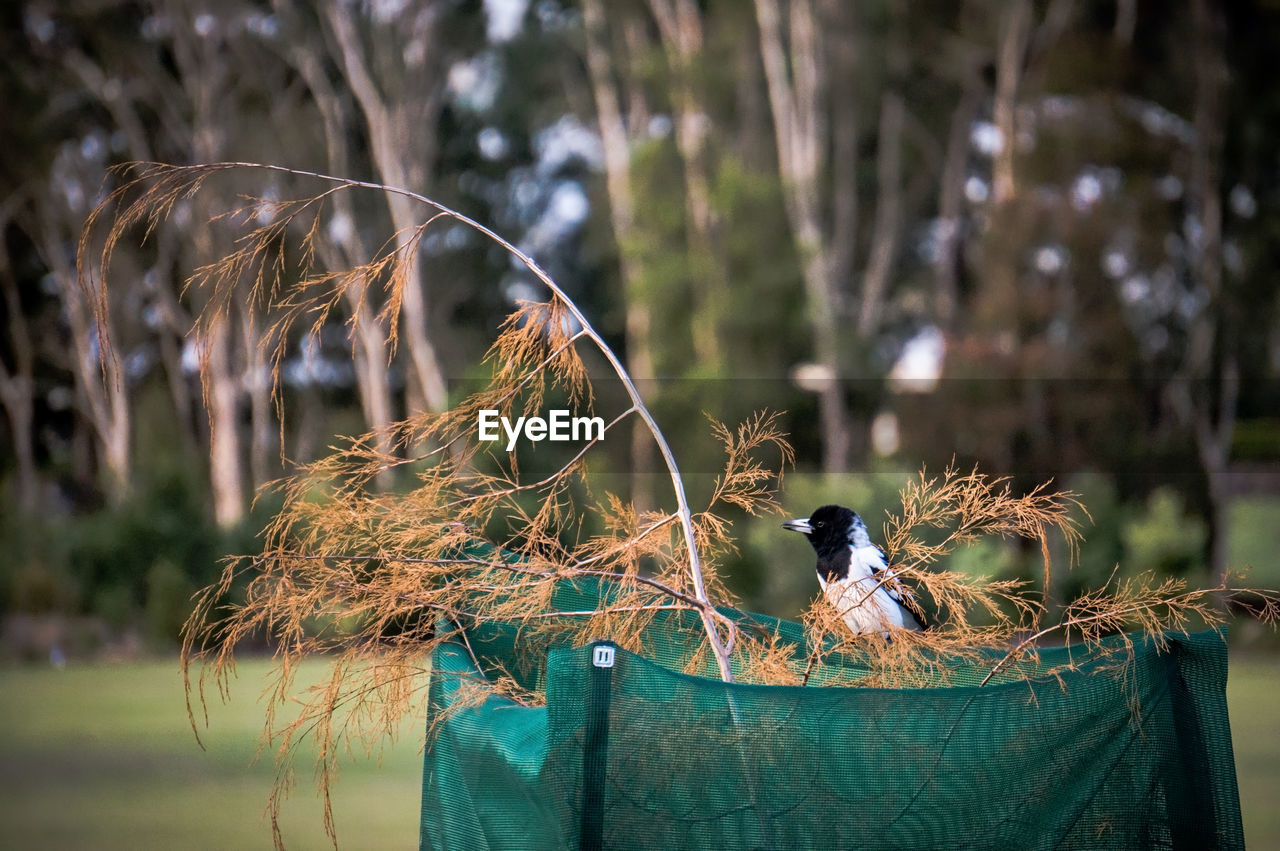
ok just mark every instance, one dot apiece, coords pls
pixel 639 756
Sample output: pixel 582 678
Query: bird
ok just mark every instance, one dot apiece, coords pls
pixel 853 573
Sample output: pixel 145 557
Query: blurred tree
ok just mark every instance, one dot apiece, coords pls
pixel 1207 396
pixel 1063 208
pixel 395 64
pixel 795 64
pixel 303 47
pixel 617 136
pixel 102 394
pixel 17 374
pixel 680 25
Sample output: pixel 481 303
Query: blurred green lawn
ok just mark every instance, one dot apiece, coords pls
pixel 1254 543
pixel 101 756
pixel 1253 695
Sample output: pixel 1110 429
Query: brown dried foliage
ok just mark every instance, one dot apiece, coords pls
pixel 374 581
pixel 973 615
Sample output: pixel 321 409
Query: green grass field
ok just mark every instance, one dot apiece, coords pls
pixel 102 757
pixel 1253 695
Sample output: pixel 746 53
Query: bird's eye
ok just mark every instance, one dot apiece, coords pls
pixel 820 523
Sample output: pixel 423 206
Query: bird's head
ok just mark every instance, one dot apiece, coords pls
pixel 831 528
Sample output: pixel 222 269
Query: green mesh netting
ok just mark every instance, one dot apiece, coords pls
pixel 639 756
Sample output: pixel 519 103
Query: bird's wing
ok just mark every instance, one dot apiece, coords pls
pixel 893 588
pixel 879 568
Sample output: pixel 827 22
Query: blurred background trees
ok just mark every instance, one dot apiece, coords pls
pixel 1035 235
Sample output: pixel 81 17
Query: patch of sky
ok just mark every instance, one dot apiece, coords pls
pixel 138 363
pixel 1232 257
pixel 312 367
pixel 935 235
pixel 565 140
pixel 205 24
pixel 93 147
pixel 156 27
pixel 986 138
pixel 1193 232
pixel 340 228
pixel 1115 262
pixel 492 144
pixel 1155 339
pixel 565 211
pixel 1135 288
pixel 1168 187
pixel 474 83
pixel 1050 259
pixel 552 17
pixel 263 26
pixel 918 365
pixel 1086 190
pixel 504 19
pixel 659 126
pixel 976 190
pixel 39 25
pixel 386 11
pixel 1159 121
pixel 1242 202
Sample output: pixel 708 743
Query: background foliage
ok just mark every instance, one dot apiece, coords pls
pixel 1034 235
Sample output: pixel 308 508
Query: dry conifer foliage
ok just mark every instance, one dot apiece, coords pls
pixel 373 579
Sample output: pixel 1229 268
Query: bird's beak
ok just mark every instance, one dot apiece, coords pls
pixel 800 525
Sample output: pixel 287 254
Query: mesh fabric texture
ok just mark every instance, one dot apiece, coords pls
pixel 639 756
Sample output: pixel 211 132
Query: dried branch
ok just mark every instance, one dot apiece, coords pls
pixel 174 182
pixel 1146 603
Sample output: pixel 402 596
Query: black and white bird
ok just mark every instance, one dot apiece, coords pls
pixel 853 573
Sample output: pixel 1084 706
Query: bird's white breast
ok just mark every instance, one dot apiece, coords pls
pixel 862 602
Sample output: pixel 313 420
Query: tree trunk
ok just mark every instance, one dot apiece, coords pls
pixel 947 262
pixel 101 388
pixel 888 222
pixel 226 476
pixel 391 126
pixel 617 168
pixel 680 26
pixel 203 79
pixel 174 325
pixel 1213 432
pixel 262 424
pixel 1210 361
pixel 998 309
pixel 1015 29
pixel 1126 21
pixel 17 388
pixel 368 332
pixel 844 149
pixel 798 102
pixel 171 331
pixel 17 396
